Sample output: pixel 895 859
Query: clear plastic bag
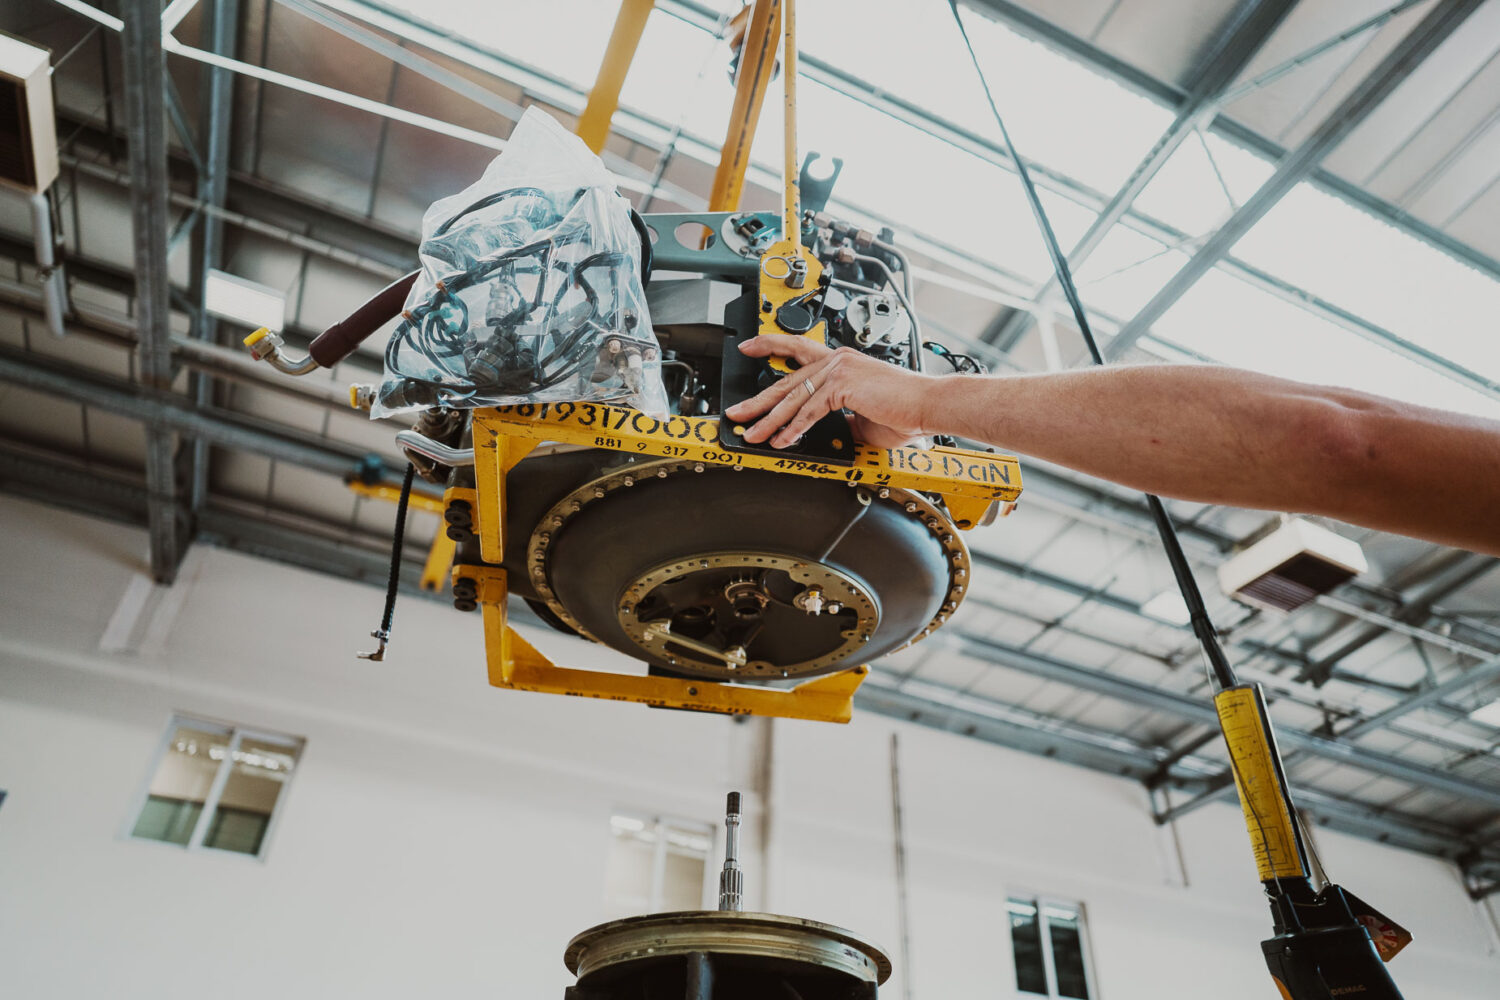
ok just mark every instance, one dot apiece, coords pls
pixel 530 289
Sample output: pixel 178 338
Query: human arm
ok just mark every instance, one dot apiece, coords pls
pixel 1207 434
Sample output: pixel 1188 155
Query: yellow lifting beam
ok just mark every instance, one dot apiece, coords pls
pixel 604 98
pixel 969 481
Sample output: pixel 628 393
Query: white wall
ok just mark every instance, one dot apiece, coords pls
pixel 443 838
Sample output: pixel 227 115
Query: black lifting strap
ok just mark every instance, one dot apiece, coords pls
pixel 1202 626
pixel 398 540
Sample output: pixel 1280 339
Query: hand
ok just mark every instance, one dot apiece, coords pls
pixel 887 401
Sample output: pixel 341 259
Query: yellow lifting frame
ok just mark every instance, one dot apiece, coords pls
pixel 969 481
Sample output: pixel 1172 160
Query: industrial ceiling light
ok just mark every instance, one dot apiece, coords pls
pixel 28 138
pixel 1291 567
pixel 243 301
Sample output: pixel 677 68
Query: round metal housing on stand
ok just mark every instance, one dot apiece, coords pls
pixel 714 955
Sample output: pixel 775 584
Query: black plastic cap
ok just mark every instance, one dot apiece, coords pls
pixel 733 808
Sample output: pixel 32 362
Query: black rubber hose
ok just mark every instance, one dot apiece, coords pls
pixel 398 541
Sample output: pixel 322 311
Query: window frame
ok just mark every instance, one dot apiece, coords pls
pixel 658 824
pixel 236 735
pixel 1085 943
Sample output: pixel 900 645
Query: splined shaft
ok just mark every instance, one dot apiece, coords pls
pixel 732 877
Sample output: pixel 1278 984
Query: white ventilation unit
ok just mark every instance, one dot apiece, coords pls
pixel 1291 566
pixel 28 129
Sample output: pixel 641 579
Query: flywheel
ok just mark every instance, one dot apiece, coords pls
pixel 731 574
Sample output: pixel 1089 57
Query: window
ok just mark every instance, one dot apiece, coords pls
pixel 215 786
pixel 656 865
pixel 1051 948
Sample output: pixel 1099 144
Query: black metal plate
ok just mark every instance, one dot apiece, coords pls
pixel 828 440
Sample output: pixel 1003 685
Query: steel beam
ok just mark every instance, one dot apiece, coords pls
pixel 1201 711
pixel 1457 571
pixel 144 73
pixel 941 707
pixel 1037 27
pixel 1414 833
pixel 1246 30
pixel 221 33
pixel 119 497
pixel 1403 830
pixel 1298 164
pixel 1477 674
pixel 175 414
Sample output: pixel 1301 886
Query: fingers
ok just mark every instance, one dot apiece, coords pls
pixel 815 408
pixel 768 398
pixel 793 398
pixel 803 350
pixel 762 402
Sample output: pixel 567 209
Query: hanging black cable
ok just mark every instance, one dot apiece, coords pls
pixel 393 581
pixel 1203 626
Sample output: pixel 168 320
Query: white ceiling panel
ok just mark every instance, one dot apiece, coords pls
pixel 1456 63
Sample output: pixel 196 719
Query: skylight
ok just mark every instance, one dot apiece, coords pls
pixel 1229 321
pixel 1082 126
pixel 1351 258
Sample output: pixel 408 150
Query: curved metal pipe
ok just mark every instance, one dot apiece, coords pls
pixel 266 345
pixel 283 363
pixel 435 450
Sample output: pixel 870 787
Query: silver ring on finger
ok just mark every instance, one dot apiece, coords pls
pixel 807 384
